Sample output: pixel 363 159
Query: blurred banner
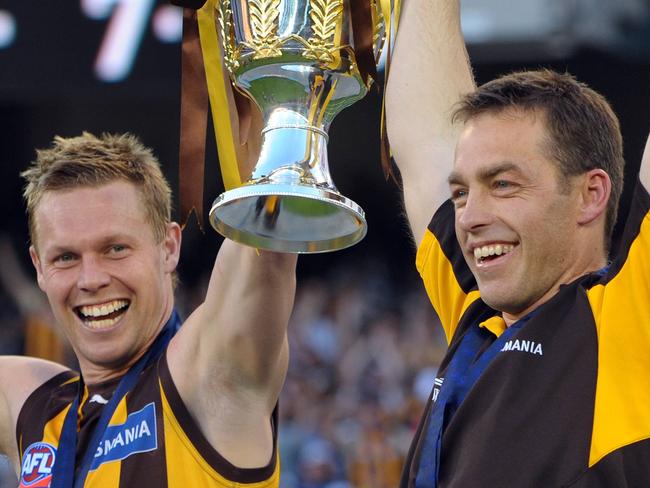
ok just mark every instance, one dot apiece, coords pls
pixel 78 47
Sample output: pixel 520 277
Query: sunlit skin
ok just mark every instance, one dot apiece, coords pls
pixel 506 192
pixel 94 246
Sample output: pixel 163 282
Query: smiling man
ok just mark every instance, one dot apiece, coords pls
pixel 546 379
pixel 157 404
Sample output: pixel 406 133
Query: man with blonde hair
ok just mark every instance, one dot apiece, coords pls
pixel 156 404
pixel 545 382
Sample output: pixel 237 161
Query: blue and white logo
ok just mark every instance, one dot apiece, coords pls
pixel 137 434
pixel 37 464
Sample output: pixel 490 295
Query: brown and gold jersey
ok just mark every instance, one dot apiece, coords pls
pixel 151 440
pixel 566 400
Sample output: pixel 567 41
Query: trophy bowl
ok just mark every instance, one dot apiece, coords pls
pixel 295 59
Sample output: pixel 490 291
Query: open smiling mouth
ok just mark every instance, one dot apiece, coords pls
pixel 485 254
pixel 102 316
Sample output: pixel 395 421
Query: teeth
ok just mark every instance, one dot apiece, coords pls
pixel 96 311
pixel 498 249
pixel 101 324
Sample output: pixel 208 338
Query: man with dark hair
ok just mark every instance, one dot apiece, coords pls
pixel 156 405
pixel 545 382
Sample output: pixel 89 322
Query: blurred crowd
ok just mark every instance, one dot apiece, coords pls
pixel 363 360
pixel 364 350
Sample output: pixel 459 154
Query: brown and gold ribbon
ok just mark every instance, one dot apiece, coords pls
pixel 391 10
pixel 205 81
pixel 194 113
pixel 222 102
pixel 363 31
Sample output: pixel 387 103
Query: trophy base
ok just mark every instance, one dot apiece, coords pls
pixel 288 218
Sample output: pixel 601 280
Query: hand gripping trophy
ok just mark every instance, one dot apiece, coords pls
pixel 299 62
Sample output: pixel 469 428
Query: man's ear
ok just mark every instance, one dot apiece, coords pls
pixel 36 261
pixel 172 246
pixel 595 191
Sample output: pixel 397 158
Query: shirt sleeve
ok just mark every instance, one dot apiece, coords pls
pixel 621 308
pixel 449 283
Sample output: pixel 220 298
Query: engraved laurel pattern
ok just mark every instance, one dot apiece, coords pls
pixel 263 15
pixel 224 17
pixel 325 16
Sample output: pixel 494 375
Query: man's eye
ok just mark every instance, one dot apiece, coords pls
pixel 502 184
pixel 65 258
pixel 117 248
pixel 458 194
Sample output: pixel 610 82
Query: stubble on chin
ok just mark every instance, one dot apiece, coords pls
pixel 507 299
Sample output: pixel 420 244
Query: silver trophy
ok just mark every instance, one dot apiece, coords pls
pixel 295 59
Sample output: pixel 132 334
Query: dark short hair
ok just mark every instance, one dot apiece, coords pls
pixel 584 130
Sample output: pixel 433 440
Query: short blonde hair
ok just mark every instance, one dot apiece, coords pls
pixel 88 160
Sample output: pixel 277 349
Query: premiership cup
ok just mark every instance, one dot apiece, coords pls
pixel 295 59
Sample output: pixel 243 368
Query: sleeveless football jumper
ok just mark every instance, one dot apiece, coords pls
pixel 151 440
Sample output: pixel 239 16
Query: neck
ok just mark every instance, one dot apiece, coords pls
pixel 595 265
pixel 95 373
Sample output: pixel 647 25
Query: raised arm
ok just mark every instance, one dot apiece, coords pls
pixel 230 358
pixel 645 165
pixel 430 72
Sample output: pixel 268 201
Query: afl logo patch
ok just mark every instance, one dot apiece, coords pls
pixel 38 461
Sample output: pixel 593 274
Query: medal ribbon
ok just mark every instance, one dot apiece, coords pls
pixel 63 471
pixel 463 371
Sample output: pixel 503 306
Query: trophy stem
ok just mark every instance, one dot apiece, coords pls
pixel 290 203
pixel 292 153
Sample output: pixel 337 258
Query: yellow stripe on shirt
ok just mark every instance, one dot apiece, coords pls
pixel 447 297
pixel 623 353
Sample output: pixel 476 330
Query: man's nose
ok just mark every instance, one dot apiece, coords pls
pixel 475 214
pixel 92 276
